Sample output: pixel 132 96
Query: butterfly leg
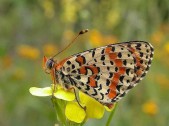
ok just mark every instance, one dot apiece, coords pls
pixel 78 99
pixel 76 96
pixel 53 73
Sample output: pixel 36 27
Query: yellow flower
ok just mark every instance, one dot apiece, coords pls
pixel 27 51
pixel 110 39
pixel 49 49
pixel 93 108
pixel 96 38
pixel 150 108
pixel 69 11
pixel 113 18
pixel 73 111
pixel 47 91
pixel 48 7
pixel 166 47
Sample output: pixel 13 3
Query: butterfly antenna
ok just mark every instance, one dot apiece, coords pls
pixel 80 33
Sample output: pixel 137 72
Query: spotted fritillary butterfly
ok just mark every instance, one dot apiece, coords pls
pixel 106 73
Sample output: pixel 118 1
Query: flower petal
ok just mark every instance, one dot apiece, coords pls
pixel 47 91
pixel 93 108
pixel 64 95
pixel 74 112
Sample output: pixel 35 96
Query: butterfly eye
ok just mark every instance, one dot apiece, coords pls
pixel 50 64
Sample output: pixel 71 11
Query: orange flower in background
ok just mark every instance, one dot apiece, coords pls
pixel 6 61
pixel 110 39
pixel 157 37
pixel 150 108
pixel 96 39
pixel 49 49
pixel 28 51
pixel 165 28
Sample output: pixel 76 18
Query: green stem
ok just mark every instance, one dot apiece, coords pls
pixel 111 116
pixel 59 107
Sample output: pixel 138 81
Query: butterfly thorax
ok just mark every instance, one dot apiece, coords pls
pixel 52 67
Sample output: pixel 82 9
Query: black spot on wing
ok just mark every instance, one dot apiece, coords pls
pixel 102 52
pixel 78 77
pixel 129 87
pixel 87 87
pixel 113 48
pixel 125 62
pixel 95 92
pixel 73 66
pixel 103 57
pixel 141 54
pixel 111 62
pixel 110 75
pixel 118 87
pixel 119 55
pixel 107 82
pixel 127 71
pixel 102 96
pixel 122 95
pixel 68 62
pixel 93 53
pixel 121 79
pixel 116 69
pixel 100 87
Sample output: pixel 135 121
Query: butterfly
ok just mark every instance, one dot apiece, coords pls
pixel 106 73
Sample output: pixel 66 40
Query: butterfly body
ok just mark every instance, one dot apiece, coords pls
pixel 106 73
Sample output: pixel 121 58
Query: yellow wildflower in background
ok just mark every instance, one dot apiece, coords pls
pixel 69 10
pixel 150 108
pixel 110 39
pixel 49 49
pixel 48 7
pixel 113 18
pixel 27 51
pixel 166 47
pixel 96 38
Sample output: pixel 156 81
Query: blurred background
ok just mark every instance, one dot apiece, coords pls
pixel 30 29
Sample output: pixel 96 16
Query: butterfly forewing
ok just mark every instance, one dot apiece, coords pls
pixel 108 73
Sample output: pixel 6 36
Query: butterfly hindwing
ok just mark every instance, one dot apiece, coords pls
pixel 108 73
